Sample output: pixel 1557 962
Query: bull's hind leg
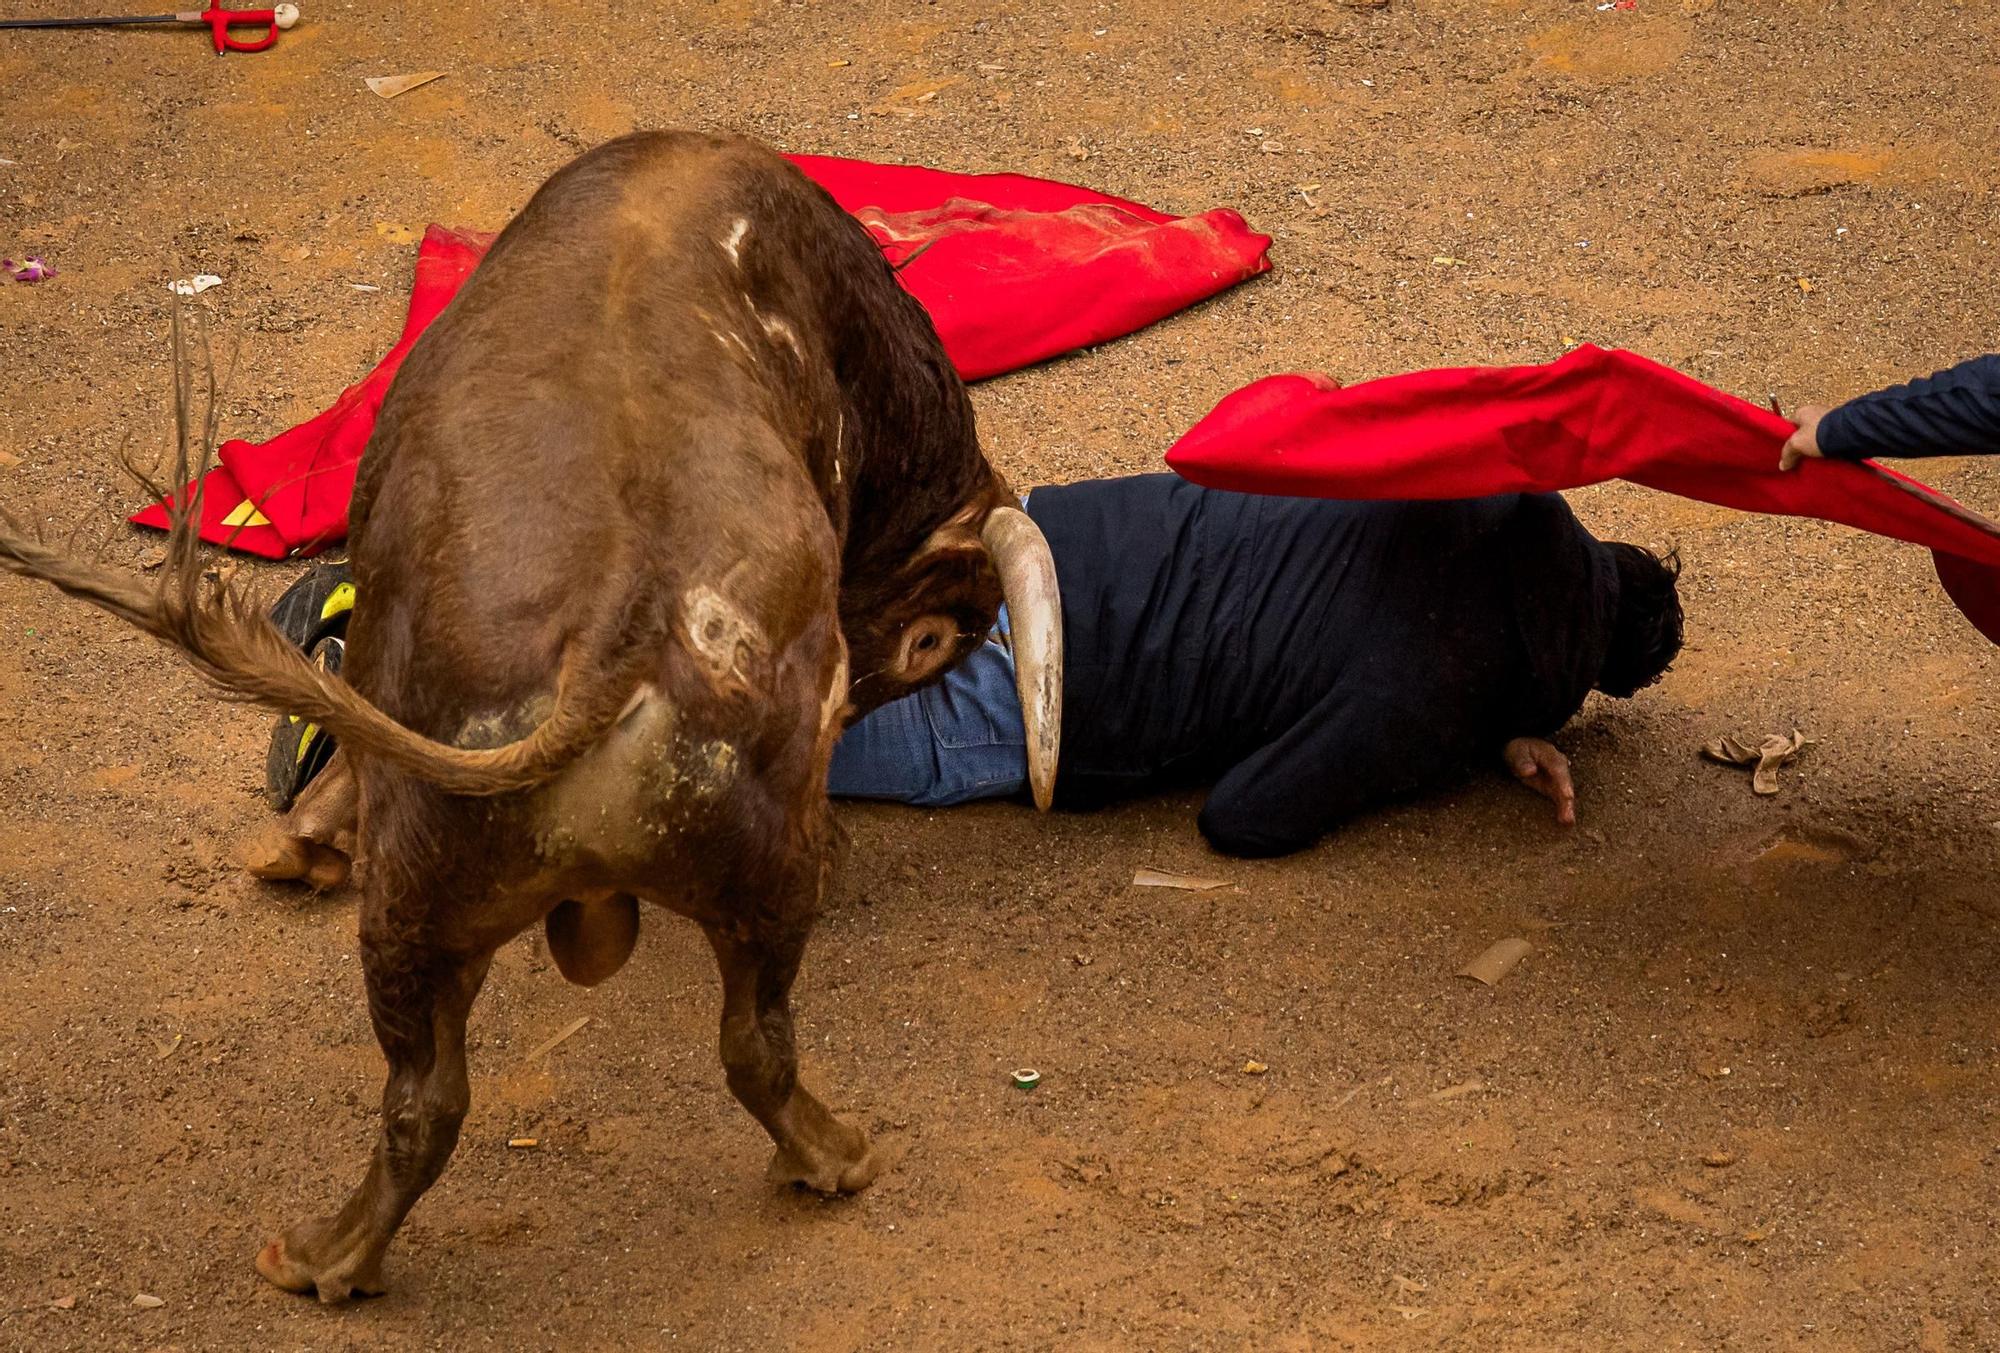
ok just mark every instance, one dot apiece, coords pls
pixel 418 996
pixel 315 841
pixel 759 961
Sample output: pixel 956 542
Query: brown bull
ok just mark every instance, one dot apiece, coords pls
pixel 679 458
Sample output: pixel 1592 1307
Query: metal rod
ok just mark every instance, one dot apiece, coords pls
pixel 90 23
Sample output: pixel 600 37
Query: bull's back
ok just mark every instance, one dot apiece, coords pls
pixel 588 418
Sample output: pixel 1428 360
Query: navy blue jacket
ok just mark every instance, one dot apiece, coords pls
pixel 1311 658
pixel 1954 413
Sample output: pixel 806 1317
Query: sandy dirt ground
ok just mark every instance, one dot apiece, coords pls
pixel 1742 1095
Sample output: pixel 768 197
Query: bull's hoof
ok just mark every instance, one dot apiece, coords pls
pixel 299 1262
pixel 849 1167
pixel 329 869
pixel 276 854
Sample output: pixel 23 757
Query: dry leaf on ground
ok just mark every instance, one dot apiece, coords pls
pixel 1498 960
pixel 1160 878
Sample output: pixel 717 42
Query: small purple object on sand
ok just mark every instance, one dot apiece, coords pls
pixel 31 269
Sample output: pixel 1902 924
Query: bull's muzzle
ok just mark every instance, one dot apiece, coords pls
pixel 1034 608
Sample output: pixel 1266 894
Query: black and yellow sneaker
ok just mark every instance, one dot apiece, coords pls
pixel 313 614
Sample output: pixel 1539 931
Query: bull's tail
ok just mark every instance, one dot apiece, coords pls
pixel 217 627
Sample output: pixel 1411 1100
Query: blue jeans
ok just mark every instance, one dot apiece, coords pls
pixel 959 739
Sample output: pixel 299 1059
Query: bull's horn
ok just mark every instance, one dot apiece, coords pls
pixel 1034 612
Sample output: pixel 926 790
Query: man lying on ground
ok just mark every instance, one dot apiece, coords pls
pixel 1953 413
pixel 1308 658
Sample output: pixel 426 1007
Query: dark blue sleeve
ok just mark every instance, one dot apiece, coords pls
pixel 1374 738
pixel 1954 413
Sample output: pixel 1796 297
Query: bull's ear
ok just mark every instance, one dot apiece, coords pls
pixel 958 536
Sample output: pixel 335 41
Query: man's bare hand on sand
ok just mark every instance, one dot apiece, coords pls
pixel 1539 766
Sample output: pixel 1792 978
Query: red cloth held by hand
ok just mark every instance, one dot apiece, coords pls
pixel 1013 270
pixel 1593 415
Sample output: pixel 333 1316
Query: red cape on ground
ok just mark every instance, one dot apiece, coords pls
pixel 1593 415
pixel 1013 271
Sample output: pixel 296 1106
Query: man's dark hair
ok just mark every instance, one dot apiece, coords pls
pixel 1646 635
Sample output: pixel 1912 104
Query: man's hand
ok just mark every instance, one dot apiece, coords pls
pixel 1803 444
pixel 1542 768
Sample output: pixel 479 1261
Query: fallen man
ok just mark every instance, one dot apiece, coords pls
pixel 1311 659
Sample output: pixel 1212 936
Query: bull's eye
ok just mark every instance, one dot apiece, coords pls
pixel 925 645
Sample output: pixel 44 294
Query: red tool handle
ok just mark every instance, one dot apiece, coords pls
pixel 220 21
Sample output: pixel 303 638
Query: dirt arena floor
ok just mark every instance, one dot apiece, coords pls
pixel 1742 1095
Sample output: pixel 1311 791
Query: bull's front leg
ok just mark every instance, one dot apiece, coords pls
pixel 814 1148
pixel 419 997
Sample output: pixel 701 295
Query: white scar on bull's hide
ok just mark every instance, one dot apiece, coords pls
pixel 732 243
pixel 730 340
pixel 835 704
pixel 720 636
pixel 735 341
pixel 780 329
